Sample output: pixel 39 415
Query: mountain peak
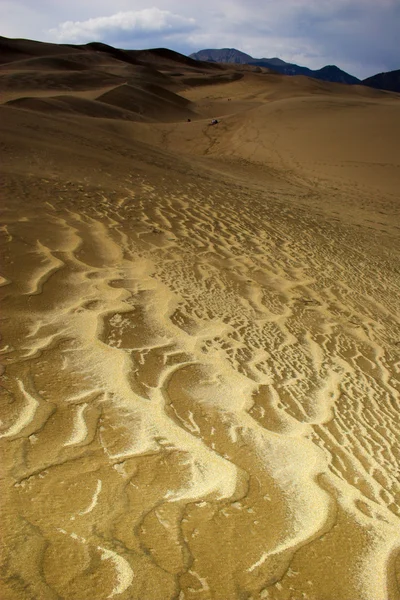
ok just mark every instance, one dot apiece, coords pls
pixel 232 55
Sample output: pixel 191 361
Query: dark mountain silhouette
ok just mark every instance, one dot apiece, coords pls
pixel 389 81
pixel 231 55
pixel 225 55
pixel 333 73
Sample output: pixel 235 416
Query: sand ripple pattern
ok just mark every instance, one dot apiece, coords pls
pixel 201 401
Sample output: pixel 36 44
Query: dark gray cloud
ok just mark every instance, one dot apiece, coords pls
pixel 359 36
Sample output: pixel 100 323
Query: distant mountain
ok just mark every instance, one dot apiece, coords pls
pixel 333 73
pixel 225 55
pixel 328 73
pixel 389 81
pixel 231 55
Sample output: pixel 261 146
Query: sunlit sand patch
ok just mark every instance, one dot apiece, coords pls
pixel 26 415
pixel 50 264
pixel 275 429
pixel 80 429
pixel 215 358
pixel 123 571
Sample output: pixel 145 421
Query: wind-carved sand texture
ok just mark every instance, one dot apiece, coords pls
pixel 200 337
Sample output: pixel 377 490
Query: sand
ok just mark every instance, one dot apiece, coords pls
pixel 200 331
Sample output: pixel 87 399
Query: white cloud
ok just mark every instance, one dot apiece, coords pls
pixel 119 25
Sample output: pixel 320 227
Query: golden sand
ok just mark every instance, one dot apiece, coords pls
pixel 201 344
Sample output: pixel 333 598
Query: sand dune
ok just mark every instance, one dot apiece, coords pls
pixel 70 80
pixel 72 105
pixel 18 49
pixel 200 333
pixel 149 101
pixel 48 63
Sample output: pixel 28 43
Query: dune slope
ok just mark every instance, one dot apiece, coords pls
pixel 200 334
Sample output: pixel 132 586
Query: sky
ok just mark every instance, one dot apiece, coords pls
pixel 359 36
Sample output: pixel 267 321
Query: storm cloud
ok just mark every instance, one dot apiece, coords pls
pixel 360 36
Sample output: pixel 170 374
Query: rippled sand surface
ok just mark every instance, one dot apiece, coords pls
pixel 201 359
